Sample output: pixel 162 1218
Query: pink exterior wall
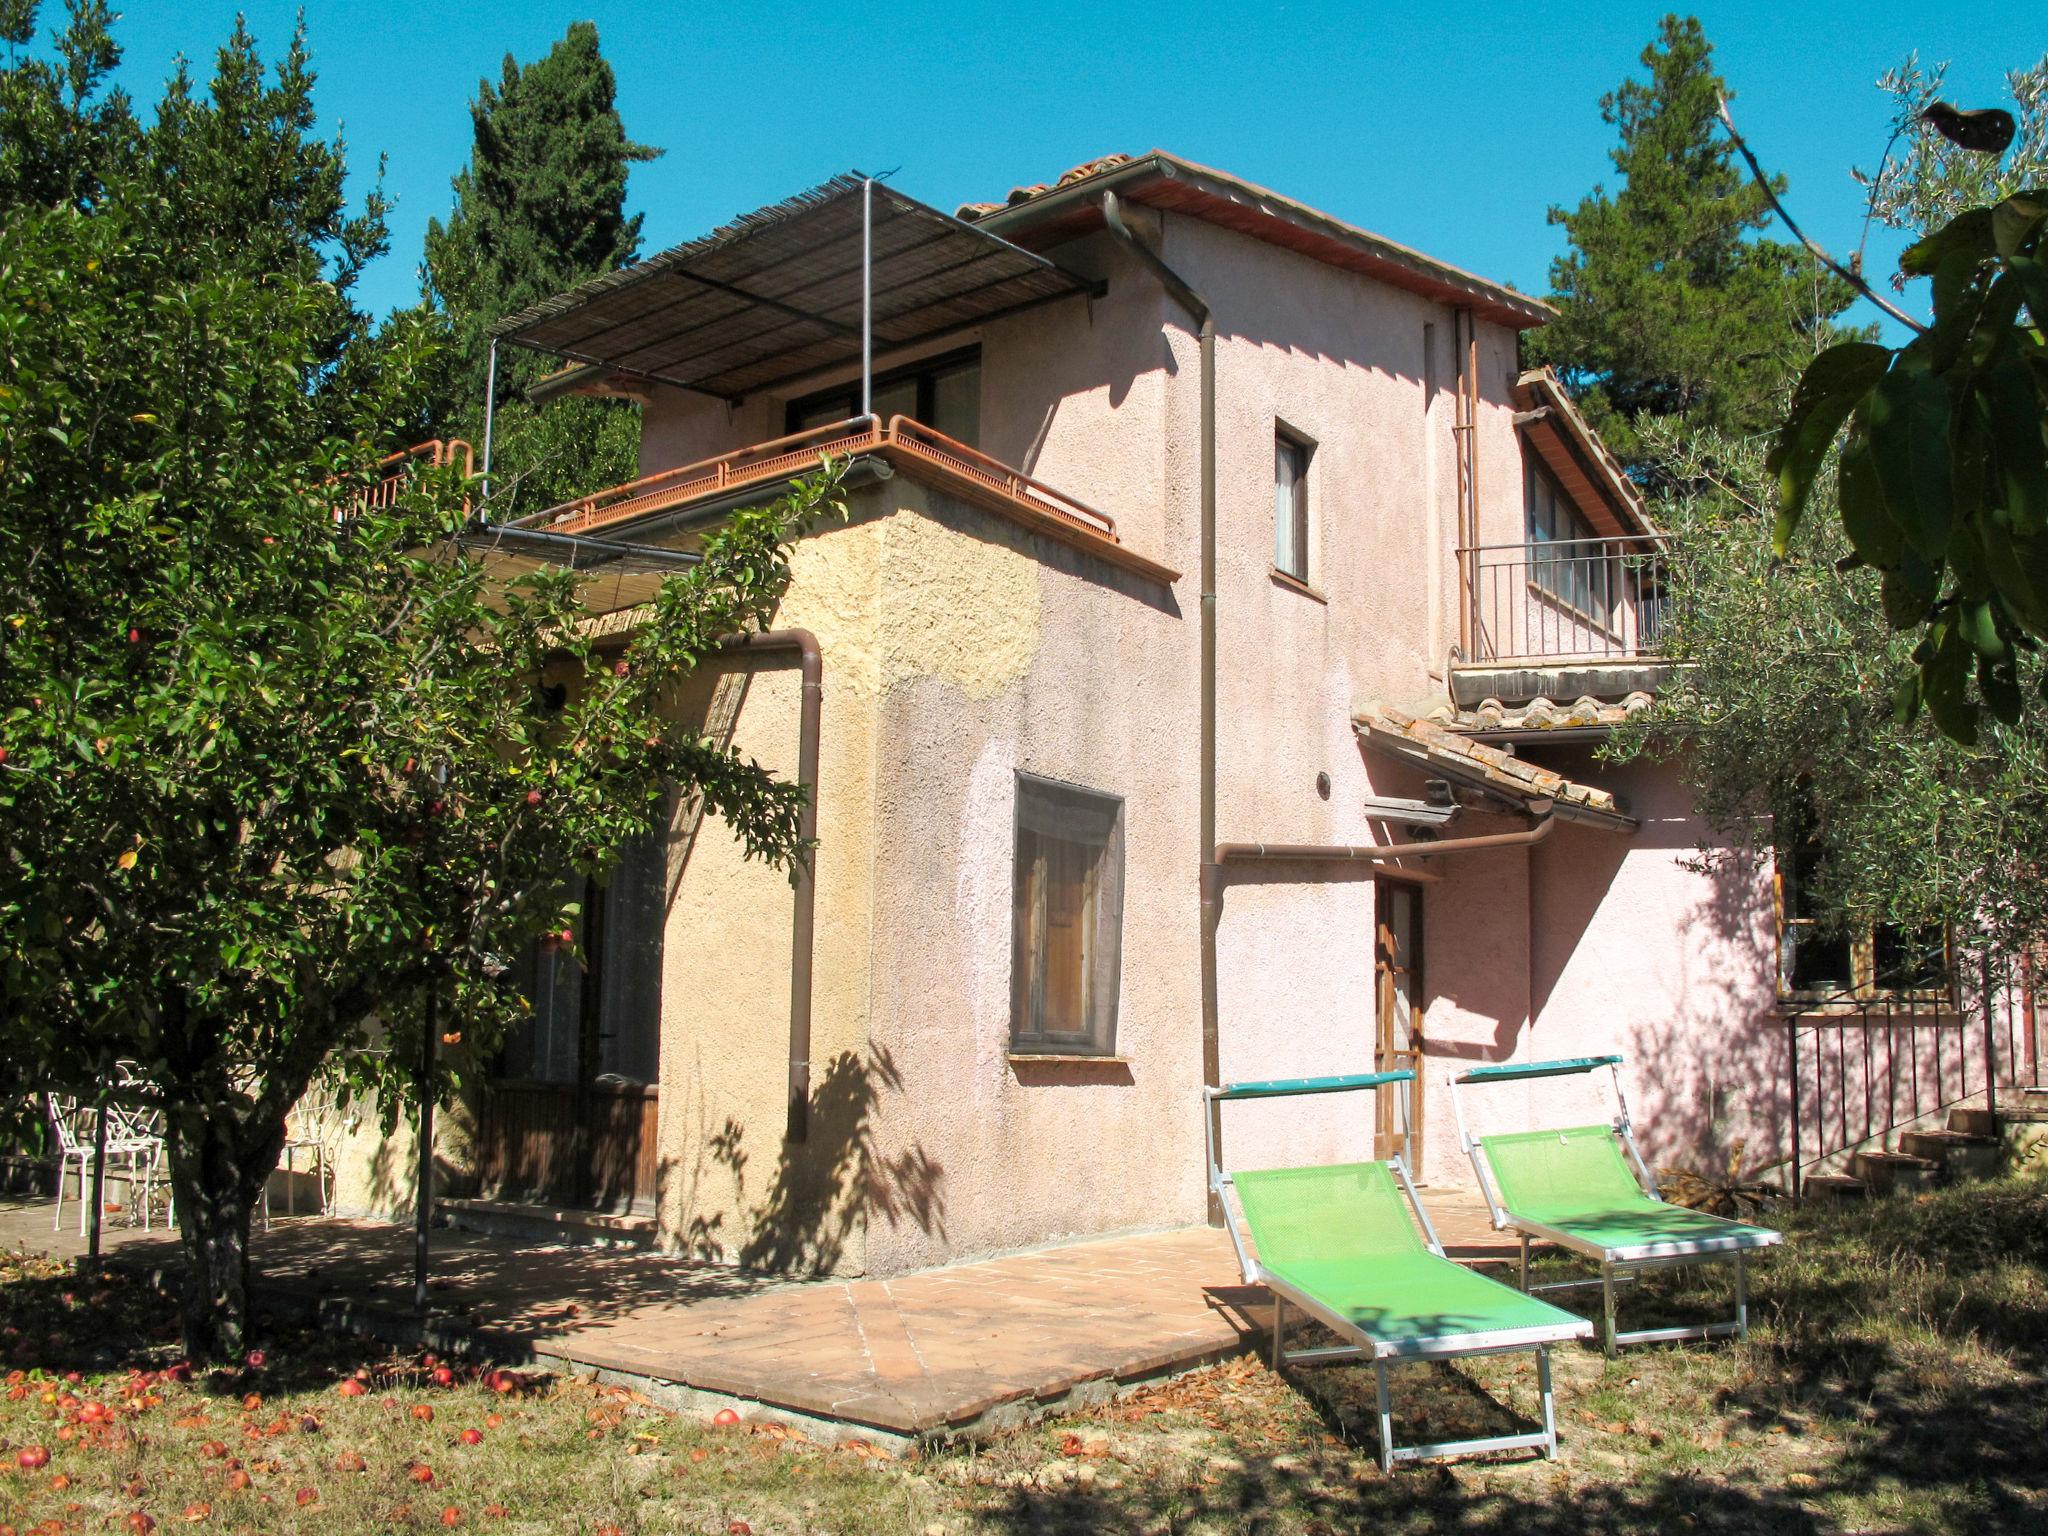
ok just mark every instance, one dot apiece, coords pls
pixel 1590 943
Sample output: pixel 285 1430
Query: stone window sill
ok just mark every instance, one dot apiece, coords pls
pixel 1296 584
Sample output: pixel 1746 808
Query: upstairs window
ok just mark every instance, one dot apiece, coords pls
pixel 944 393
pixel 1066 920
pixel 1567 560
pixel 1290 503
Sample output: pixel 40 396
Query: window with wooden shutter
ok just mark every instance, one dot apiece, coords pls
pixel 1066 919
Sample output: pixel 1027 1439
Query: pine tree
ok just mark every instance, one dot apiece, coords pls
pixel 539 208
pixel 1668 306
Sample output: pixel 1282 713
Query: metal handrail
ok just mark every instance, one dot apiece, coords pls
pixel 905 431
pixel 1596 598
pixel 1850 1045
pixel 396 471
pixel 734 466
pixel 784 456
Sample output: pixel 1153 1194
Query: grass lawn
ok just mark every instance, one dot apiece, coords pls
pixel 1894 1381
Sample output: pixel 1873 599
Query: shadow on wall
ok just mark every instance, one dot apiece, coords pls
pixel 823 1189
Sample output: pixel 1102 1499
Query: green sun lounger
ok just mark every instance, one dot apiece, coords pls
pixel 1586 1189
pixel 1337 1244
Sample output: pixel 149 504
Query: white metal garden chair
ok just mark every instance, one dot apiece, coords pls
pixel 310 1130
pixel 128 1148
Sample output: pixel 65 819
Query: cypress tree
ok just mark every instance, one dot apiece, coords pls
pixel 1668 305
pixel 539 208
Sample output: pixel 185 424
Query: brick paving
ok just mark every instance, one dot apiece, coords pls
pixel 929 1352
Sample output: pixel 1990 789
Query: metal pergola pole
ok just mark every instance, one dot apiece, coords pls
pixel 867 296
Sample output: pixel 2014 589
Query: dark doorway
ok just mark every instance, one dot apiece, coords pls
pixel 1397 978
pixel 571 1115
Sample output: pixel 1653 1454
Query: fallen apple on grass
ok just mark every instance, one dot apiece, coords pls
pixel 471 1437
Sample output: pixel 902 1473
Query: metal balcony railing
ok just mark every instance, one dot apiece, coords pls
pixel 1583 599
pixel 395 472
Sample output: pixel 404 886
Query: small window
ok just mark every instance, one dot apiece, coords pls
pixel 1290 504
pixel 1820 960
pixel 1066 920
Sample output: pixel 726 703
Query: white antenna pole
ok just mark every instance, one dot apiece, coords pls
pixel 867 296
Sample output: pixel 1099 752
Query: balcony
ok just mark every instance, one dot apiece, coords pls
pixel 693 495
pixel 1560 619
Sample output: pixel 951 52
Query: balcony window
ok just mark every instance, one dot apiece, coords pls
pixel 1567 560
pixel 942 392
pixel 1066 920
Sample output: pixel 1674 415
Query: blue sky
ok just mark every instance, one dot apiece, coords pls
pixel 1451 129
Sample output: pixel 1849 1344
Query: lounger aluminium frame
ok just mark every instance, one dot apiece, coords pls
pixel 1337 1244
pixel 1617 1219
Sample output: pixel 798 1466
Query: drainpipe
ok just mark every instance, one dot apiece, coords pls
pixel 805 644
pixel 1211 871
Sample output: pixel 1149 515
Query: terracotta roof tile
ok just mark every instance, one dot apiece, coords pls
pixel 1435 746
pixel 1541 714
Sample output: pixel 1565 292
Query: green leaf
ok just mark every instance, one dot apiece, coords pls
pixel 1968 232
pixel 1999 684
pixel 1906 697
pixel 1979 629
pixel 1831 387
pixel 1904 607
pixel 2014 416
pixel 1944 681
pixel 1865 517
pixel 2031 274
pixel 1906 418
pixel 2015 221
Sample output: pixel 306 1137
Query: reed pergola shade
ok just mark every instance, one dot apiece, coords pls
pixel 777 294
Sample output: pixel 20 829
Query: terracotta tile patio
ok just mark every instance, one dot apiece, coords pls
pixel 939 1351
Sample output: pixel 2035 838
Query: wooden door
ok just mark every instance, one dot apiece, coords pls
pixel 1397 974
pixel 572 1115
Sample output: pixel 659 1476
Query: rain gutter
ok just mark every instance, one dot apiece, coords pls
pixel 1387 853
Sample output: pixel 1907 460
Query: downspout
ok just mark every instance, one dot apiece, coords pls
pixel 803 924
pixel 1211 870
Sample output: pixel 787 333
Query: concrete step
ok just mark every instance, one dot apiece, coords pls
pixel 1890 1173
pixel 1973 1120
pixel 1833 1186
pixel 1961 1154
pixel 549 1223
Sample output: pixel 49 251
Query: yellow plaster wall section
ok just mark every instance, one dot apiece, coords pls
pixel 962 609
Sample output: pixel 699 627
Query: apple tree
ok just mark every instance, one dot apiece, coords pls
pixel 277 760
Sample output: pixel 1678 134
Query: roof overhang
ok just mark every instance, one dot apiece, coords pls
pixel 1576 458
pixel 612 574
pixel 779 293
pixel 1159 180
pixel 1443 753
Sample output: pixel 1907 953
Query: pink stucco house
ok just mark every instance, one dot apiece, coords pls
pixel 1208 684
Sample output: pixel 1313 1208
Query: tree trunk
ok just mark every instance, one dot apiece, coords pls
pixel 214 1200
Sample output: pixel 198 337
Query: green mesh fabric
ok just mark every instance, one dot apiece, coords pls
pixel 1343 1235
pixel 1578 1181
